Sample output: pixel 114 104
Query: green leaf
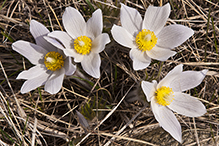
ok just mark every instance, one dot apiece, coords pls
pixel 7 36
pixel 215 38
pixel 2 5
pixel 90 5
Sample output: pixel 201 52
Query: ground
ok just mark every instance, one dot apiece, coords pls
pixel 110 102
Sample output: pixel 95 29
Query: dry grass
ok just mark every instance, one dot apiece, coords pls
pixel 38 118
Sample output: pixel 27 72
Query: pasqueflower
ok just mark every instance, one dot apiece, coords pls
pixel 148 38
pixel 167 95
pixel 51 65
pixel 83 41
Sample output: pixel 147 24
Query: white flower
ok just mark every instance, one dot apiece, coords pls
pixel 148 38
pixel 83 41
pixel 167 95
pixel 50 62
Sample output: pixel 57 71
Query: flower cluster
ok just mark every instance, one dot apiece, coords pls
pixel 56 53
pixel 53 50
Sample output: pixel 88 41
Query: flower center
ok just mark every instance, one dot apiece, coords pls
pixel 53 61
pixel 164 96
pixel 146 40
pixel 82 45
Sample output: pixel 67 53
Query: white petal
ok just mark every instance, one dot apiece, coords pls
pixel 78 57
pixel 54 42
pixel 149 89
pixel 140 59
pixel 45 44
pixel 155 18
pixel 130 19
pixel 91 64
pixel 171 76
pixel 187 105
pixel 31 51
pixel 95 24
pixel 69 67
pixel 54 83
pixel 34 82
pixel 63 37
pixel 72 53
pixel 161 54
pixel 38 30
pixel 73 22
pixel 138 65
pixel 122 36
pixel 31 73
pixel 167 120
pixel 187 80
pixel 173 35
pixel 60 51
pixel 99 43
pixel 69 52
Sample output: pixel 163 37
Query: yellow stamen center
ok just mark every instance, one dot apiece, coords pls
pixel 82 45
pixel 53 61
pixel 146 40
pixel 164 96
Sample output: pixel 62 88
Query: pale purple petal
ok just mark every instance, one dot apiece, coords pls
pixel 54 83
pixel 82 120
pixel 31 51
pixel 54 42
pixel 98 45
pixel 38 31
pixel 95 24
pixel 161 54
pixel 122 36
pixel 149 89
pixel 187 80
pixel 155 18
pixel 140 59
pixel 31 73
pixel 69 67
pixel 130 19
pixel 167 120
pixel 34 82
pixel 171 76
pixel 174 35
pixel 91 64
pixel 73 22
pixel 187 105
